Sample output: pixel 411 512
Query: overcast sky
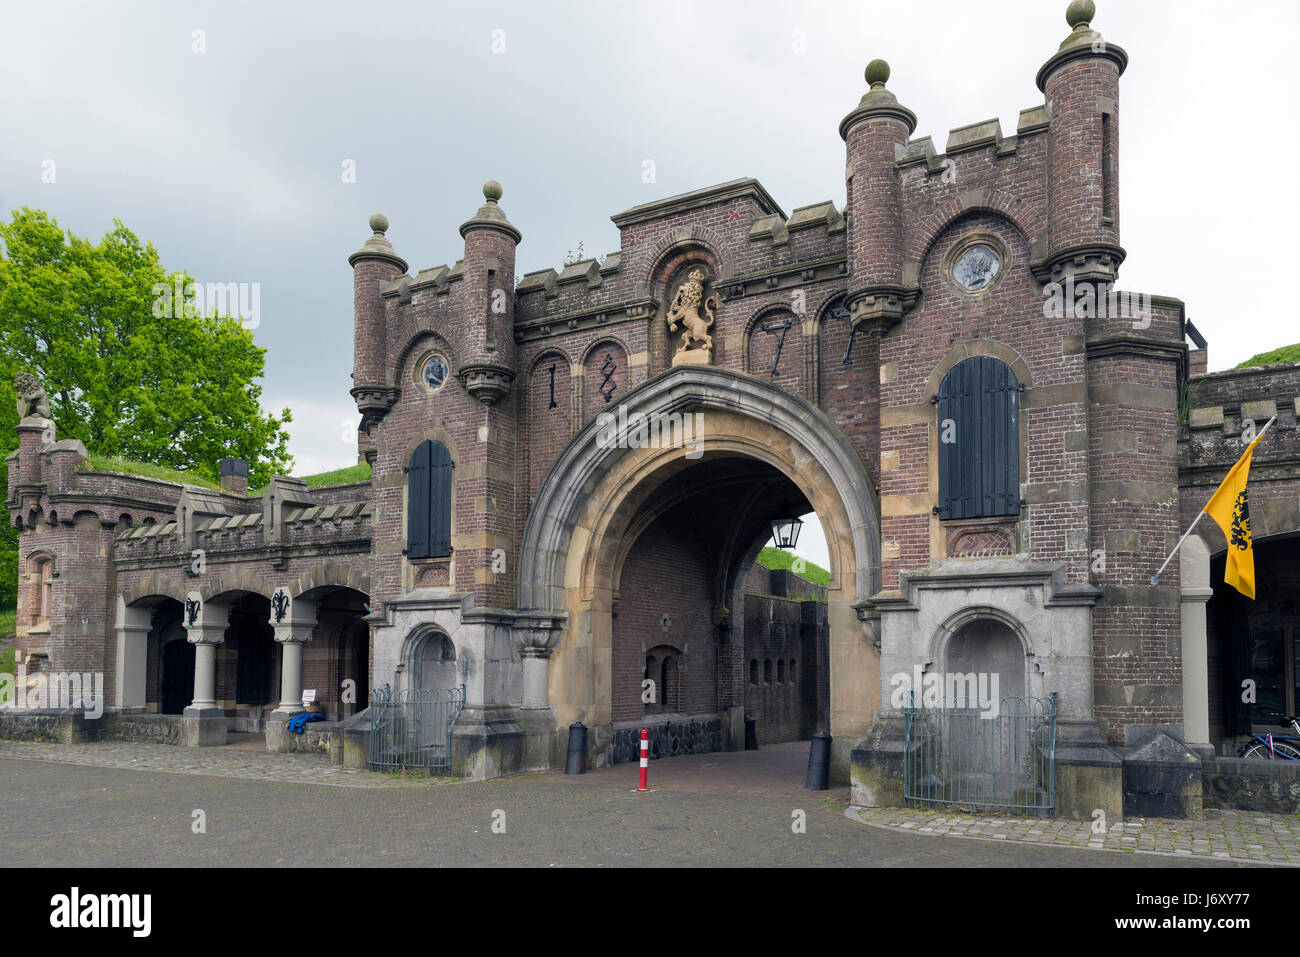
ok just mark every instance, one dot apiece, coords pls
pixel 230 160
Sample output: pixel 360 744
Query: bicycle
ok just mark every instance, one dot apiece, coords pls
pixel 1272 747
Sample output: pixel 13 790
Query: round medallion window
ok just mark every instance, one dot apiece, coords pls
pixel 977 267
pixel 434 373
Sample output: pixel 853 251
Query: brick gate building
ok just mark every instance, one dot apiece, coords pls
pixel 573 472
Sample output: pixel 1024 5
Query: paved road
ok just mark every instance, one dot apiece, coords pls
pixel 720 809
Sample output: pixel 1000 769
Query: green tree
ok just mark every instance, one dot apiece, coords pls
pixel 174 390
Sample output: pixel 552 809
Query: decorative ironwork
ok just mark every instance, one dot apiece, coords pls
pixel 961 756
pixel 772 328
pixel 608 369
pixel 279 605
pixel 846 316
pixel 411 730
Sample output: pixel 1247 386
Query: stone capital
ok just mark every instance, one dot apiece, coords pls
pixel 205 622
pixel 537 635
pixel 293 619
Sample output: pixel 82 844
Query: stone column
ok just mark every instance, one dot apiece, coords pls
pixel 1194 566
pixel 205 671
pixel 536 639
pixel 294 619
pixel 132 628
pixel 203 723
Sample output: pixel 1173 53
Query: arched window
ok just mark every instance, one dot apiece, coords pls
pixel 428 501
pixel 767 671
pixel 661 668
pixel 753 671
pixel 651 674
pixel 42 578
pixel 979 440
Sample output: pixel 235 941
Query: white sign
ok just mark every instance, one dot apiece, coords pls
pixel 308 697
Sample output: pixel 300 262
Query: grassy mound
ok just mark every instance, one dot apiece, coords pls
pixel 771 557
pixel 353 473
pixel 103 463
pixel 1276 357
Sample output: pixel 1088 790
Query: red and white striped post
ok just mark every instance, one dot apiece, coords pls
pixel 645 758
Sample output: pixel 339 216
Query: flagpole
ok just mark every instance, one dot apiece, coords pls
pixel 1155 579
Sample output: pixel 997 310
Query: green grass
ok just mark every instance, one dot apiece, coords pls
pixel 771 557
pixel 353 473
pixel 103 463
pixel 1276 357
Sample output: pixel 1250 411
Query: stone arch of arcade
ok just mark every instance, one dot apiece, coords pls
pixel 242 647
pixel 609 516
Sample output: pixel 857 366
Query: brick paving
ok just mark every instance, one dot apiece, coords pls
pixel 730 808
pixel 236 760
pixel 1224 835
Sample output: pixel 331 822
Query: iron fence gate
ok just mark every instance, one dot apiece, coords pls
pixel 966 757
pixel 411 729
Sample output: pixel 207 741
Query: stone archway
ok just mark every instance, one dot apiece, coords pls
pixel 595 493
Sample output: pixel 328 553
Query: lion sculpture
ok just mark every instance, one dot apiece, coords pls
pixel 685 311
pixel 31 396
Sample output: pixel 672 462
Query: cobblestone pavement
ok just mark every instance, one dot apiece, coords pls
pixel 236 761
pixel 1234 835
pixel 134 805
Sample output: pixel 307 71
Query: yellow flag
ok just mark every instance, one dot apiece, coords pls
pixel 1228 507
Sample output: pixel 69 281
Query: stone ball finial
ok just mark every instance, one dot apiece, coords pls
pixel 1079 13
pixel 877 73
pixel 379 223
pixel 491 191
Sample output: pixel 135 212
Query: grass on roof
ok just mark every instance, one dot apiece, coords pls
pixel 353 473
pixel 344 476
pixel 771 557
pixel 1276 357
pixel 103 463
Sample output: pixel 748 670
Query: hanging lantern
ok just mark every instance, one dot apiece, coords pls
pixel 785 531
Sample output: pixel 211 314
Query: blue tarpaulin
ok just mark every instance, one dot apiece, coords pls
pixel 298 723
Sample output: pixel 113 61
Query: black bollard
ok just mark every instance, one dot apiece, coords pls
pixel 751 734
pixel 819 762
pixel 576 761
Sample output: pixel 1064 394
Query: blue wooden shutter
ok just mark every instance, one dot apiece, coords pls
pixel 440 466
pixel 999 439
pixel 957 458
pixel 428 502
pixel 979 473
pixel 417 502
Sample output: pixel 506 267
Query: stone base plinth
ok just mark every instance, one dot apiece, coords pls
pixel 693 357
pixel 876 763
pixel 486 743
pixel 356 741
pixel 1089 774
pixel 203 727
pixel 1162 776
